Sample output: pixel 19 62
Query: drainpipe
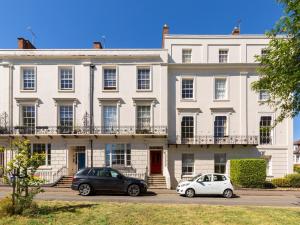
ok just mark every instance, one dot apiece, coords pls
pixel 92 68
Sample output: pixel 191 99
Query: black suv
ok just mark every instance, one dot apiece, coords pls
pixel 89 180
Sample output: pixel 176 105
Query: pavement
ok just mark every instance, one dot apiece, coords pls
pixel 242 197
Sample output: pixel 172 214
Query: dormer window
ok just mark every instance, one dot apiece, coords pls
pixel 223 56
pixel 186 55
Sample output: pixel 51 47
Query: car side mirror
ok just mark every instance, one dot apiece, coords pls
pixel 120 176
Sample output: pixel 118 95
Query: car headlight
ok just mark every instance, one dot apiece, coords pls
pixel 183 185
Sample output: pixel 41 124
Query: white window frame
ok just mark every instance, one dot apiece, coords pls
pixel 272 133
pixel 22 78
pixel 151 114
pixel 117 78
pixel 259 96
pixel 227 123
pixel 187 153
pixel 46 153
pixel 221 77
pixel 225 163
pixel 125 155
pixel 223 49
pixel 188 77
pixel 59 79
pixel 150 77
pixel 117 113
pixel 183 55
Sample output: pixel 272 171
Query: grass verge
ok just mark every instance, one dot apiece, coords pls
pixel 129 213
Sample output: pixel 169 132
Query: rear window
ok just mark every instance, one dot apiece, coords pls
pixel 83 172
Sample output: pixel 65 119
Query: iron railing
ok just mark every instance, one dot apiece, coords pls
pixel 212 140
pixel 83 130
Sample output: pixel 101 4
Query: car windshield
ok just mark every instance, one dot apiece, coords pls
pixel 195 177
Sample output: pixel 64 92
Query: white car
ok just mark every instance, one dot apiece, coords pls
pixel 210 184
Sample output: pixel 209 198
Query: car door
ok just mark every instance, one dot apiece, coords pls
pixel 97 179
pixel 116 181
pixel 218 183
pixel 203 185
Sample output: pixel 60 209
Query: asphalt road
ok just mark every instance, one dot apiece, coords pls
pixel 243 197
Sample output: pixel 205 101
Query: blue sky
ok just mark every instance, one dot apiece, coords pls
pixel 129 23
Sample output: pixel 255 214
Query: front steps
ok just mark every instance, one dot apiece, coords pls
pixel 64 182
pixel 157 182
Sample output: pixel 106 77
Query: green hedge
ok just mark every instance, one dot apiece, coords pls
pixel 248 172
pixel 281 182
pixel 294 179
pixel 297 168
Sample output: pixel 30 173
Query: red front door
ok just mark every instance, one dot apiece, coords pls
pixel 155 162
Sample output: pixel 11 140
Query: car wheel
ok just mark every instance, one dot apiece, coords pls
pixel 228 193
pixel 133 190
pixel 190 193
pixel 85 189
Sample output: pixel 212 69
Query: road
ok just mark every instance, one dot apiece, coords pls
pixel 243 197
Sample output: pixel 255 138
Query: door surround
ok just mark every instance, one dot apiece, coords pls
pixel 155 160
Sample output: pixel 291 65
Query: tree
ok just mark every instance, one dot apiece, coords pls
pixel 280 65
pixel 20 174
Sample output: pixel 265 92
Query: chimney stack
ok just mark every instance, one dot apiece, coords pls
pixel 25 44
pixel 164 33
pixel 97 45
pixel 236 31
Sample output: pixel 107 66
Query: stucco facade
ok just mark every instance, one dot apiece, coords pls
pixel 197 111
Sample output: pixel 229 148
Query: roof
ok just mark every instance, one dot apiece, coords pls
pixel 297 142
pixel 218 36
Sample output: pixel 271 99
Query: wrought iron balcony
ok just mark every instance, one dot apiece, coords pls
pixel 212 140
pixel 83 130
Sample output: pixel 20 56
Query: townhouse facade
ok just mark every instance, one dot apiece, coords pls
pixel 173 112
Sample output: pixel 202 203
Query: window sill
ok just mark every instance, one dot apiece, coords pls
pixel 221 100
pixel 188 100
pixel 28 91
pixel 109 91
pixel 143 90
pixel 45 168
pixel 66 91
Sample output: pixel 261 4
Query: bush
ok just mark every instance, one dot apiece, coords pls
pixel 294 179
pixel 268 185
pixel 297 168
pixel 248 172
pixel 6 207
pixel 281 182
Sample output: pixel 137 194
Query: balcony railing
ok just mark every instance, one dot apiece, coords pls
pixel 212 140
pixel 83 130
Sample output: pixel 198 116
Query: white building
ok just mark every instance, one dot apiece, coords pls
pixel 184 109
pixel 297 152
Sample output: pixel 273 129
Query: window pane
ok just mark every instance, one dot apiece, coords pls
pixel 220 126
pixel 115 155
pixel 220 162
pixel 28 78
pixel 39 149
pixel 187 164
pixel 220 89
pixel 109 118
pixel 187 55
pixel 66 78
pixel 143 117
pixel 143 79
pixel 187 86
pixel 110 82
pixel 187 127
pixel 223 56
pixel 265 129
pixel 66 116
pixel 264 95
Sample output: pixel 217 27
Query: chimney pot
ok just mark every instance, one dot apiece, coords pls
pixel 164 33
pixel 236 31
pixel 97 45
